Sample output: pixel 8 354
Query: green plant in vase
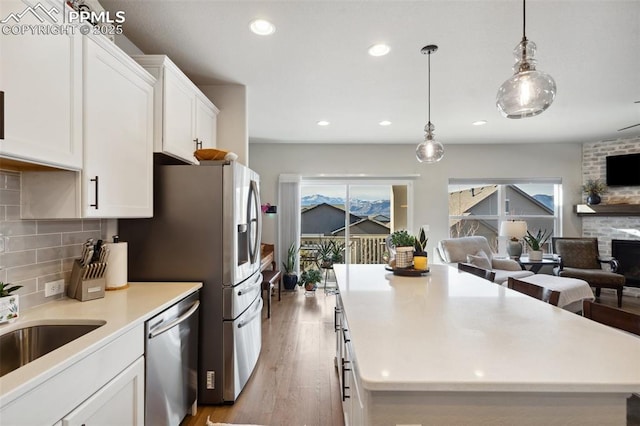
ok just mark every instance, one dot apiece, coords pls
pixel 310 279
pixel 9 303
pixel 290 278
pixel 594 188
pixel 420 250
pixel 535 243
pixel 403 243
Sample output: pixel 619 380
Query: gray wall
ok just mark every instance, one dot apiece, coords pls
pixel 34 252
pixel 431 188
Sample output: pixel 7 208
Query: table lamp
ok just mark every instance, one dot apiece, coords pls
pixel 514 230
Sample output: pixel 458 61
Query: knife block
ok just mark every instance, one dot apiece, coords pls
pixel 82 289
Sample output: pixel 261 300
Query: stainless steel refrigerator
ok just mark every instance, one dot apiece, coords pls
pixel 206 227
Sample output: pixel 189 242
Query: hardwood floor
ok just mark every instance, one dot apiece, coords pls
pixel 295 381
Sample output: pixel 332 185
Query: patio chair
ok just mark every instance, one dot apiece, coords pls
pixel 579 258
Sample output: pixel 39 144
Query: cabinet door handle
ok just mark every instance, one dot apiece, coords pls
pixel 96 181
pixel 344 376
pixel 1 115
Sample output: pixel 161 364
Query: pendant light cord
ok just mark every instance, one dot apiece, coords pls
pixel 429 87
pixel 524 19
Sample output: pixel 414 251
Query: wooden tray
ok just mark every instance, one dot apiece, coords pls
pixel 407 272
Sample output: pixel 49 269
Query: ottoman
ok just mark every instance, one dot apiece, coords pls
pixel 572 290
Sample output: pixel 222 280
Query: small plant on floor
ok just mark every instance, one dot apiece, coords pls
pixel 290 278
pixel 310 279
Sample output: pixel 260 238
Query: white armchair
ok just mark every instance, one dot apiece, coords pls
pixel 476 251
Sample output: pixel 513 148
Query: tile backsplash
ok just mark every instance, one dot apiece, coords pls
pixel 34 252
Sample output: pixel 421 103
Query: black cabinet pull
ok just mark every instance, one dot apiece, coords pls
pixel 344 376
pixel 1 115
pixel 96 181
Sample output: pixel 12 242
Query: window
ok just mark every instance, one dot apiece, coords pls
pixel 478 207
pixel 356 213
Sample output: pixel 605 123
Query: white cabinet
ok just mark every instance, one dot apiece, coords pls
pixel 117 176
pixel 119 402
pixel 41 77
pixel 185 119
pixel 109 378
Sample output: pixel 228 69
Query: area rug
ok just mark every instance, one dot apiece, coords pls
pixel 210 423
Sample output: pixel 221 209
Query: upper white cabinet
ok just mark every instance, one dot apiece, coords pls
pixel 41 77
pixel 185 119
pixel 116 180
pixel 118 133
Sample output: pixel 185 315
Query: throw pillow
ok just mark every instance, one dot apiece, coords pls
pixel 506 265
pixel 480 259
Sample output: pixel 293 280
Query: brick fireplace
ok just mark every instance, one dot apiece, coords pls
pixel 627 252
pixel 615 227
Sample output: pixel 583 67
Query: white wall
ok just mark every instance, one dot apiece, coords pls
pixel 431 201
pixel 232 132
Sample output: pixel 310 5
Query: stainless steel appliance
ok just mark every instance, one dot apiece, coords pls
pixel 171 363
pixel 206 227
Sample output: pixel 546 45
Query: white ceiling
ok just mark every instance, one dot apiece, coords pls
pixel 316 67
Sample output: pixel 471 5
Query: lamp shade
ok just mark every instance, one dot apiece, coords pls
pixel 514 229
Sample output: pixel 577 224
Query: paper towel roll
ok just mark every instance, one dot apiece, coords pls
pixel 116 276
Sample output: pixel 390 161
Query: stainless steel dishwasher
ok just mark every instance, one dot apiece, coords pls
pixel 171 367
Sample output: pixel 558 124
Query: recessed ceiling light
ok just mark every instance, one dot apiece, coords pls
pixel 323 123
pixel 262 27
pixel 479 123
pixel 379 49
pixel 385 123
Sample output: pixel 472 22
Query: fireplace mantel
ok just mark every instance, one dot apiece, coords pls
pixel 607 210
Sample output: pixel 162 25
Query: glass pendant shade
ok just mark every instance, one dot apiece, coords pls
pixel 429 151
pixel 529 91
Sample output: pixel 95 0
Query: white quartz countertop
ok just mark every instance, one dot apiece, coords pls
pixel 121 309
pixel 452 331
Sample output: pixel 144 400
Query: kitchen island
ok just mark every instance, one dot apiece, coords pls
pixel 452 348
pixel 50 387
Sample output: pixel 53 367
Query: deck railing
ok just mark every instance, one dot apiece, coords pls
pixel 363 249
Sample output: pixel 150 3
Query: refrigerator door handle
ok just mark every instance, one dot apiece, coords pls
pixel 253 315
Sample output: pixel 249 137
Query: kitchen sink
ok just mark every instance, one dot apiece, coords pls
pixel 23 345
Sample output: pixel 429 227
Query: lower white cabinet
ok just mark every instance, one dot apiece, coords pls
pixel 120 402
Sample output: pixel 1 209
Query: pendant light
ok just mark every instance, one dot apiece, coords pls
pixel 529 91
pixel 429 151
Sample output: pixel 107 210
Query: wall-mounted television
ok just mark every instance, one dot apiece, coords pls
pixel 623 170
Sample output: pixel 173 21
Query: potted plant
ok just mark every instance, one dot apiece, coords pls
pixel 310 279
pixel 420 250
pixel 324 253
pixel 594 188
pixel 535 243
pixel 337 252
pixel 403 242
pixel 290 278
pixel 9 303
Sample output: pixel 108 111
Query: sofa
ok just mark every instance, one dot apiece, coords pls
pixel 476 251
